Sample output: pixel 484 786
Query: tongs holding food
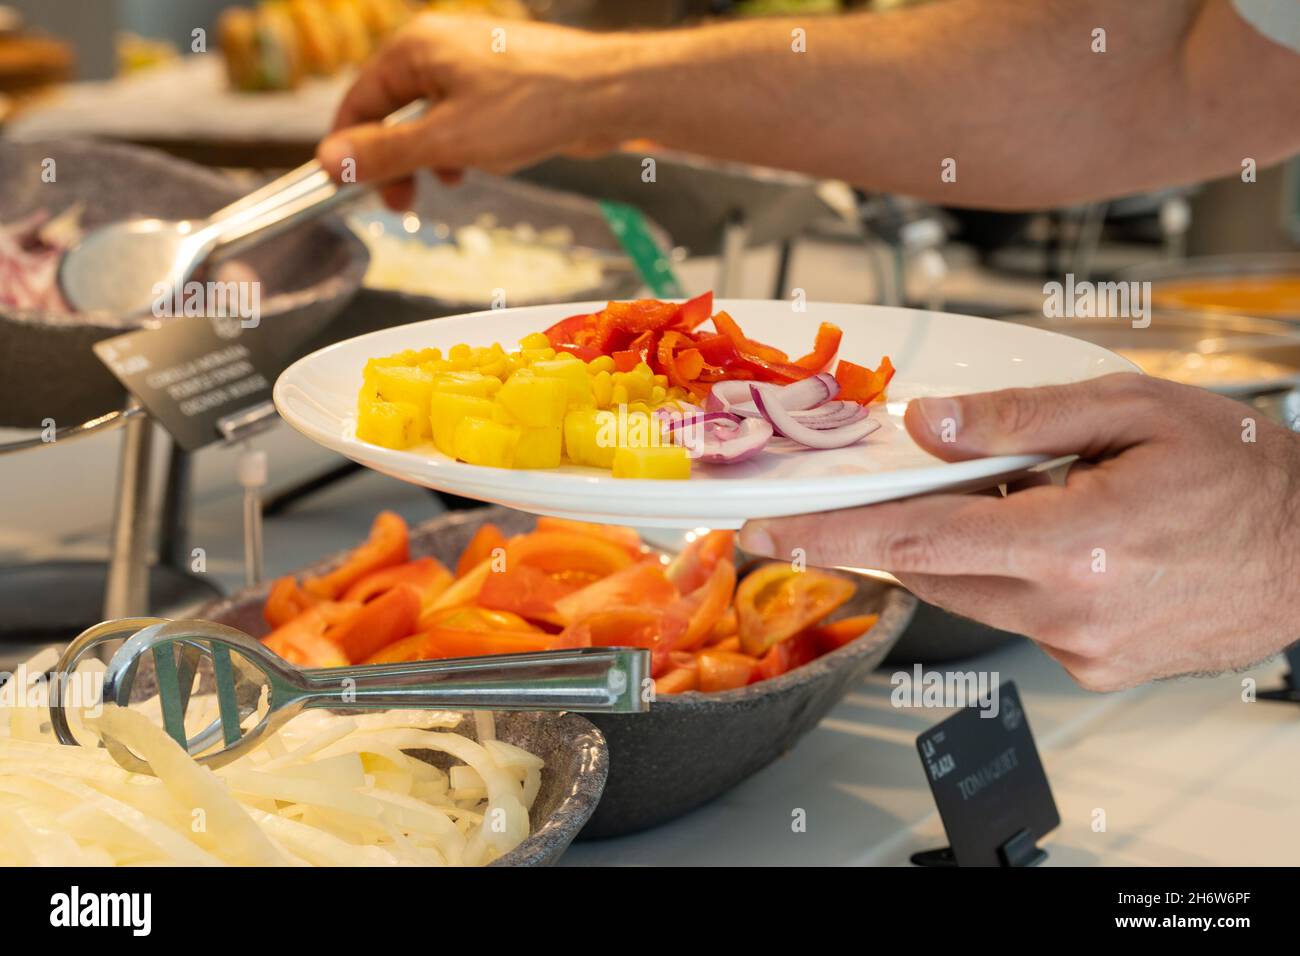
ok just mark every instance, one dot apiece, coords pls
pixel 257 691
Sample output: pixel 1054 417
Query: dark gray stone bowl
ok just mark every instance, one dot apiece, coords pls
pixel 577 763
pixel 47 368
pixel 692 747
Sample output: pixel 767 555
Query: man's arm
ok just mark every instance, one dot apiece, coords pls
pixel 1010 89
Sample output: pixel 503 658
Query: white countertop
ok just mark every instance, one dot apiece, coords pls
pixel 1185 772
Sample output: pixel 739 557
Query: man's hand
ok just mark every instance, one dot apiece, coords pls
pixel 1173 548
pixel 503 95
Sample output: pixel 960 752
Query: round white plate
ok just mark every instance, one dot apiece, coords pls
pixel 934 353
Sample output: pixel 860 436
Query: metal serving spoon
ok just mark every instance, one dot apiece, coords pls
pixel 121 268
pixel 257 691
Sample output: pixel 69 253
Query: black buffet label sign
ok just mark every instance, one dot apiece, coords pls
pixel 191 372
pixel 987 779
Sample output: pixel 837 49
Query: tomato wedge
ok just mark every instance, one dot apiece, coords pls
pixel 445 642
pixel 625 538
pixel 621 627
pixel 641 584
pixel 286 601
pixel 694 564
pixel 483 545
pixel 678 680
pixel 426 575
pixel 302 640
pixel 775 602
pixel 836 634
pixel 788 654
pixel 373 626
pixel 386 546
pixel 725 670
pixel 697 613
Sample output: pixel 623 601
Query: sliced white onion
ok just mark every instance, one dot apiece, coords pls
pixel 784 422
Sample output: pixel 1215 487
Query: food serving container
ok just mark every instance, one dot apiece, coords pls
pixel 1184 333
pixel 691 747
pixel 1166 275
pixel 47 366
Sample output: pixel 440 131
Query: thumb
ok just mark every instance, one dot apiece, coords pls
pixel 373 153
pixel 1088 418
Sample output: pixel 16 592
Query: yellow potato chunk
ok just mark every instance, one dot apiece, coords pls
pixel 406 385
pixel 446 409
pixel 589 437
pixel 662 462
pixel 467 383
pixel 481 441
pixel 574 375
pixel 389 424
pixel 533 400
pixel 539 447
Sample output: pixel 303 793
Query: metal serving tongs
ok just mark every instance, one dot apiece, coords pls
pixel 257 691
pixel 118 268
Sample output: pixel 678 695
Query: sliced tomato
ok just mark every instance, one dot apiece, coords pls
pixel 545 566
pixel 302 640
pixel 386 546
pixel 678 680
pixel 697 613
pixel 621 627
pixel 639 584
pixel 836 634
pixel 388 618
pixel 726 644
pixel 695 563
pixel 483 545
pixel 463 591
pixel 528 591
pixel 472 618
pixel 824 350
pixel 859 384
pixel 625 538
pixel 776 602
pixel 447 642
pixel 426 575
pixel 286 601
pixel 789 654
pixel 727 625
pixel 725 670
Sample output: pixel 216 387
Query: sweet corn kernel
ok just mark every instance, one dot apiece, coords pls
pixel 619 395
pixel 534 340
pixel 601 363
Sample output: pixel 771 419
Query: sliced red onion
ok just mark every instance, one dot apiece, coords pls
pixel 786 424
pixel 726 442
pixel 730 396
pixel 695 419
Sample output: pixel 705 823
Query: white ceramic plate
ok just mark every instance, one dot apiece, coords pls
pixel 935 354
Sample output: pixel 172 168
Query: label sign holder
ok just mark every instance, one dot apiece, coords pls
pixel 989 786
pixel 1289 692
pixel 197 375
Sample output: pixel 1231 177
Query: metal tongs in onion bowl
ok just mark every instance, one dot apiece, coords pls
pixel 257 691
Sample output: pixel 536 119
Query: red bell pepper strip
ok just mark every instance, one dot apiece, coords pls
pixel 680 369
pixel 694 312
pixel 824 349
pixel 859 384
pixel 772 364
pixel 386 546
pixel 643 315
